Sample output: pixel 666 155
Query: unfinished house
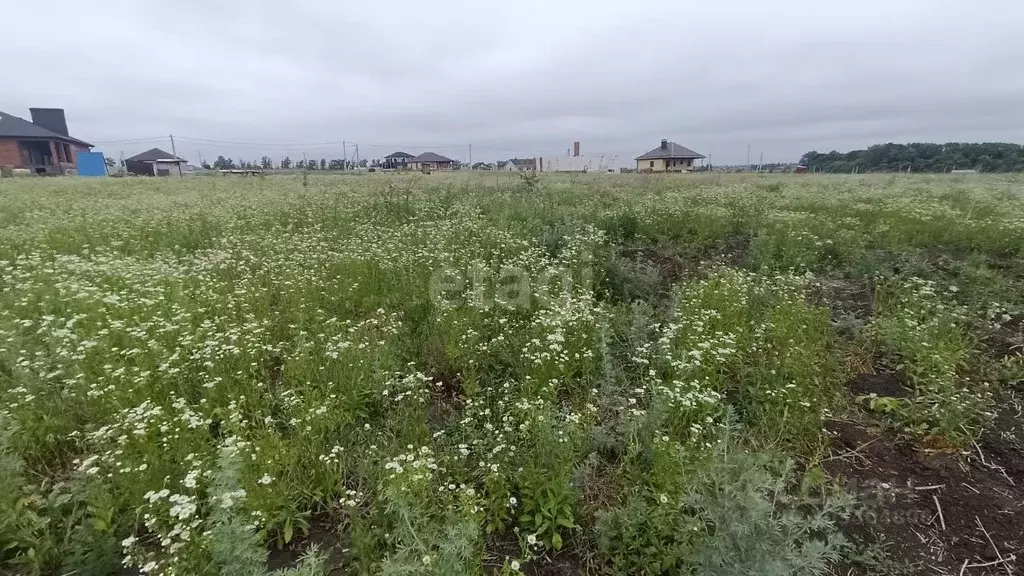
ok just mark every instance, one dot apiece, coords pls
pixel 42 146
pixel 156 162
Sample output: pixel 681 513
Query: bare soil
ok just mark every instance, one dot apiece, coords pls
pixel 563 563
pixel 882 383
pixel 324 536
pixel 1008 339
pixel 936 512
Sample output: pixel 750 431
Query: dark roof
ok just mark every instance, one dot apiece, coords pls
pixel 673 150
pixel 431 157
pixel 524 161
pixel 14 127
pixel 153 155
pixel 399 155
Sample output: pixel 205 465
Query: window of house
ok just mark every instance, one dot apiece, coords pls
pixel 652 163
pixel 67 153
pixel 58 151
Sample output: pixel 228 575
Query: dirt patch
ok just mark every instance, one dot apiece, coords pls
pixel 904 488
pixel 669 265
pixel 1003 443
pixel 323 536
pixel 1008 339
pixel 735 249
pixel 687 261
pixel 883 383
pixel 500 547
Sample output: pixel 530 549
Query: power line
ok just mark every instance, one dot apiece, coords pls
pixel 338 143
pixel 327 146
pixel 130 140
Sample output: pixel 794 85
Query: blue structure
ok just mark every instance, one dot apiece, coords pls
pixel 91 164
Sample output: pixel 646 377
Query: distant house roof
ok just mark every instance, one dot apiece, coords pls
pixel 671 150
pixel 529 162
pixel 431 157
pixel 14 127
pixel 154 154
pixel 399 155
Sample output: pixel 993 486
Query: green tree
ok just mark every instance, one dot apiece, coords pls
pixel 921 157
pixel 222 163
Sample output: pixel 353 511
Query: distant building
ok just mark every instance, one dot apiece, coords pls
pixel 583 163
pixel 431 161
pixel 669 157
pixel 42 146
pixel 482 166
pixel 578 162
pixel 156 162
pixel 397 160
pixel 519 164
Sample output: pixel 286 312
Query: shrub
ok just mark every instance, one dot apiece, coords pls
pixel 737 513
pixel 926 337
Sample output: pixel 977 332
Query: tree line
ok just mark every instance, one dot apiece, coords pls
pixel 921 157
pixel 286 163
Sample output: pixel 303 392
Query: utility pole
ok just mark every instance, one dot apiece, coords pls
pixel 760 162
pixel 357 153
pixel 344 155
pixel 748 156
pixel 470 156
pixel 174 152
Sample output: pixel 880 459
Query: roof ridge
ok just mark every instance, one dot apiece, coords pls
pixel 39 131
pixel 672 150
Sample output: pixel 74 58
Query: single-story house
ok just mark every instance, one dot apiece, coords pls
pixel 519 164
pixel 156 162
pixel 42 146
pixel 669 157
pixel 432 161
pixel 397 160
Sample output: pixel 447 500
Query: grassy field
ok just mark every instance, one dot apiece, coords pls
pixel 462 374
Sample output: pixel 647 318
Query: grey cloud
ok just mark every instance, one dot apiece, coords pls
pixel 522 79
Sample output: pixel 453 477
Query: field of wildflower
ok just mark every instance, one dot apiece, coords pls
pixel 463 374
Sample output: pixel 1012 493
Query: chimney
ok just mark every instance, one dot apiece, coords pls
pixel 50 118
pixel 664 144
pixel 575 148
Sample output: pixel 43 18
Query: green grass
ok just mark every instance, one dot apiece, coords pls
pixel 434 375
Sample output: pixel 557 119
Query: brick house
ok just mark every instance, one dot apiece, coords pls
pixel 398 160
pixel 431 161
pixel 669 157
pixel 42 146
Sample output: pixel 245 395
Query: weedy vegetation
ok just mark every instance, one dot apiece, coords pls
pixel 611 374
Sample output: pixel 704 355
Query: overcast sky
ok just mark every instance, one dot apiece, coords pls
pixel 521 78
